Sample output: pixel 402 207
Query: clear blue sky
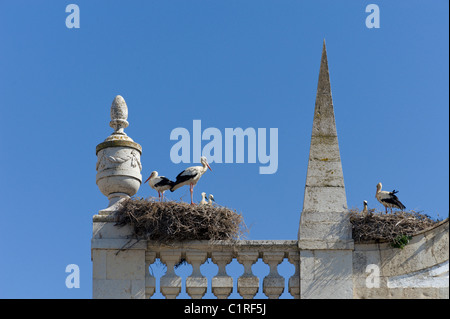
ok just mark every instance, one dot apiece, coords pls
pixel 229 64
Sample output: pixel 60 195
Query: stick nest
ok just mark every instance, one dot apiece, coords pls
pixel 380 227
pixel 177 221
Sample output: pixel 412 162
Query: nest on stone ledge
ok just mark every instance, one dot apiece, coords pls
pixel 396 228
pixel 177 221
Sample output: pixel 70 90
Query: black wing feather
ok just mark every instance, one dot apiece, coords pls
pixel 163 182
pixel 181 179
pixel 393 200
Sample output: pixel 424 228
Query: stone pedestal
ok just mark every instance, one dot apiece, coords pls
pixel 119 265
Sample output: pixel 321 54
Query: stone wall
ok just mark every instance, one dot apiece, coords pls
pixel 419 270
pixel 118 263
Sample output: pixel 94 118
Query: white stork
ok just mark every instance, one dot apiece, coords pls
pixel 365 211
pixel 388 199
pixel 190 176
pixel 211 199
pixel 159 183
pixel 203 201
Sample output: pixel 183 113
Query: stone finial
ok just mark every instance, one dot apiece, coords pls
pixel 119 115
pixel 118 159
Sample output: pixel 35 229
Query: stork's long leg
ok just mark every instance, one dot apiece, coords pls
pixel 192 191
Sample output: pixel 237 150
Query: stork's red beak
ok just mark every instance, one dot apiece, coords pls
pixel 147 179
pixel 209 167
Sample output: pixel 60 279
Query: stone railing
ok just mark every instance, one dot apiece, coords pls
pixel 221 253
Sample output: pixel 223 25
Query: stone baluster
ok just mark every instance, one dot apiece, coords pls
pixel 248 284
pixel 273 283
pixel 196 283
pixel 150 282
pixel 222 284
pixel 294 280
pixel 170 283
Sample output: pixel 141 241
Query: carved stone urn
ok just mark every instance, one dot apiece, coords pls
pixel 118 160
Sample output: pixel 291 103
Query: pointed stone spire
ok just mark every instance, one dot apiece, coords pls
pixel 324 190
pixel 324 123
pixel 325 233
pixel 324 216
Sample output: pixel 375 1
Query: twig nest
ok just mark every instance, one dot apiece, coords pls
pixel 382 227
pixel 176 221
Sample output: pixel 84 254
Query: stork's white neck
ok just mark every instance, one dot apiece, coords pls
pixel 378 188
pixel 204 167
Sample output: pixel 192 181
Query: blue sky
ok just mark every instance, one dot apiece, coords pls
pixel 229 64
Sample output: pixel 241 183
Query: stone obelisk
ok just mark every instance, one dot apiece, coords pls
pixel 325 238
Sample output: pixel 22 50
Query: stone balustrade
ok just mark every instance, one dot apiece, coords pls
pixel 222 253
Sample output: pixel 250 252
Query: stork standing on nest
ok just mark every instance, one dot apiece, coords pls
pixel 190 176
pixel 388 199
pixel 159 184
pixel 211 199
